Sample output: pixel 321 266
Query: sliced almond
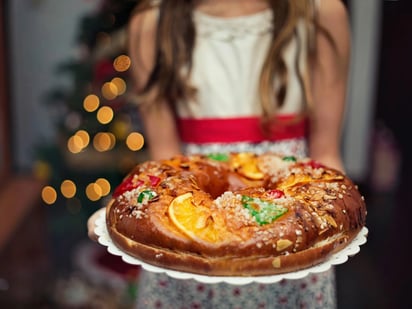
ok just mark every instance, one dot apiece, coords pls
pixel 276 262
pixel 330 220
pixel 282 244
pixel 329 197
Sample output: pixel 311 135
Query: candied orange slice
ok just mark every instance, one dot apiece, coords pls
pixel 246 164
pixel 195 221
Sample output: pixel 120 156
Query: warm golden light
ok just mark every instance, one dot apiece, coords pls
pixel 93 192
pixel 120 85
pixel 135 141
pixel 109 91
pixel 75 144
pixel 105 114
pixel 84 137
pixel 104 141
pixel 68 188
pixel 121 63
pixel 91 103
pixel 104 185
pixel 49 195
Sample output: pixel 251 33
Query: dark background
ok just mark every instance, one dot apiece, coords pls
pixel 380 276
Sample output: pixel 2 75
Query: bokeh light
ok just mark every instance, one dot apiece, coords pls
pixel 104 141
pixel 91 103
pixel 104 185
pixel 122 63
pixel 75 144
pixel 68 188
pixel 93 192
pixel 109 91
pixel 49 195
pixel 135 141
pixel 85 137
pixel 105 114
pixel 120 85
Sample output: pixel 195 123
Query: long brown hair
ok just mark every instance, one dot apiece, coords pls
pixel 176 40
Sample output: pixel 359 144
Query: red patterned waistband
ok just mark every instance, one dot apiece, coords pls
pixel 244 129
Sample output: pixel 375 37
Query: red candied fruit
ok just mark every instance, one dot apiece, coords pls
pixel 315 164
pixel 154 180
pixel 127 185
pixel 275 193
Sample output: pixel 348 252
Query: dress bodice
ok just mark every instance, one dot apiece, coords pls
pixel 227 61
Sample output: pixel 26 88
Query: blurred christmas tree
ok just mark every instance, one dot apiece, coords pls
pixel 98 132
pixel 98 140
pixel 99 136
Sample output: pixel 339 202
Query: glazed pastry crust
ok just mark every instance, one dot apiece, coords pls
pixel 324 211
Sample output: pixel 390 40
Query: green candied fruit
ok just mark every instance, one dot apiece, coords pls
pixel 289 159
pixel 223 157
pixel 264 212
pixel 146 195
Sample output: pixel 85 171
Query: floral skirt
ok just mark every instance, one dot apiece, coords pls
pixel 160 291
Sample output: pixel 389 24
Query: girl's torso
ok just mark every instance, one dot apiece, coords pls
pixel 227 62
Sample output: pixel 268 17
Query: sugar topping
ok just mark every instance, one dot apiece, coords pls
pixel 231 206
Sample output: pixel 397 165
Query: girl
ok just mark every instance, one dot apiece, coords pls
pixel 241 75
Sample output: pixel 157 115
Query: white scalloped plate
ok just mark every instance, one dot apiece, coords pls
pixel 335 259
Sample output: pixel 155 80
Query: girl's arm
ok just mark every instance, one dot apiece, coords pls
pixel 330 73
pixel 158 119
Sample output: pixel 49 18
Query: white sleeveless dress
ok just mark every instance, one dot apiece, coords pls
pixel 228 57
